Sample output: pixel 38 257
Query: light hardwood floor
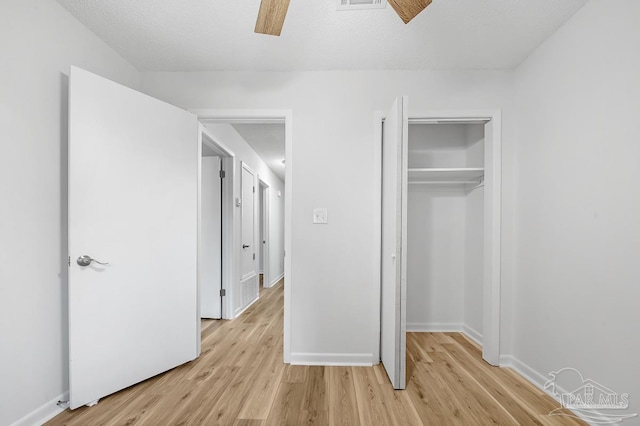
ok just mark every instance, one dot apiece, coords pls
pixel 240 380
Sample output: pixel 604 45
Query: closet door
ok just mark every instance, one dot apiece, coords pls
pixel 393 315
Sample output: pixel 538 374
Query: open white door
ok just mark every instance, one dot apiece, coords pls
pixel 393 317
pixel 210 253
pixel 133 177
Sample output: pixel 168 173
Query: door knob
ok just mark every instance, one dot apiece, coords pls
pixel 244 246
pixel 86 261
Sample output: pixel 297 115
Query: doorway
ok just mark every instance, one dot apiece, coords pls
pixel 258 116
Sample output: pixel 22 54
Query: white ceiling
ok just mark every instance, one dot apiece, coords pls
pixel 199 35
pixel 267 140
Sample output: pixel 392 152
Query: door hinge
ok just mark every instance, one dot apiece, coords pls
pixel 223 292
pixel 69 260
pixel 254 189
pixel 254 256
pixel 222 174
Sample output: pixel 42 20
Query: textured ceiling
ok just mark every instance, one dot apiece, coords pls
pixel 199 35
pixel 267 140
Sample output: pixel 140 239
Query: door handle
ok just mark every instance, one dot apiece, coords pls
pixel 244 246
pixel 86 261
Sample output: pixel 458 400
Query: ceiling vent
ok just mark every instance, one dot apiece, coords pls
pixel 361 4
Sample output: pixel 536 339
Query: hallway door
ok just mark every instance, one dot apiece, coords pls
pixel 249 273
pixel 133 200
pixel 210 256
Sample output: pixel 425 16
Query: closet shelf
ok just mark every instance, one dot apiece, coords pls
pixel 448 176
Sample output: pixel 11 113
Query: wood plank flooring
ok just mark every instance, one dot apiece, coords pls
pixel 240 380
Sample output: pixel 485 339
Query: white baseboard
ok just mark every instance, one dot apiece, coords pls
pixel 524 370
pixel 44 413
pixel 445 327
pixel 434 327
pixel 274 282
pixel 538 380
pixel 358 360
pixel 472 334
pixel 241 311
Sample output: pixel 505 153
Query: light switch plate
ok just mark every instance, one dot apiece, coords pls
pixel 320 216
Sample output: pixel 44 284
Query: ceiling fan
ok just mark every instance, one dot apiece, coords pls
pixel 272 13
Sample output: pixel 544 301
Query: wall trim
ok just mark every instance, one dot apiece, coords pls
pixel 44 413
pixel 524 370
pixel 537 379
pixel 444 327
pixel 328 359
pixel 472 334
pixel 435 327
pixel 246 307
pixel 275 281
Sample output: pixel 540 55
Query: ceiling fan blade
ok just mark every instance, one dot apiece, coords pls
pixel 271 16
pixel 408 9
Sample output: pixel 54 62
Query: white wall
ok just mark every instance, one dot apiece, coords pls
pixel 332 282
pixel 474 239
pixel 40 41
pixel 474 263
pixel 227 135
pixel 445 233
pixel 435 258
pixel 578 204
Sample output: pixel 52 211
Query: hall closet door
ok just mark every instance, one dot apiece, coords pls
pixel 394 230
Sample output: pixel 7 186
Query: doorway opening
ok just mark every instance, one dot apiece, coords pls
pixel 277 247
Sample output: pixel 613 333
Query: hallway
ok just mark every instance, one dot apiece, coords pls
pixel 240 380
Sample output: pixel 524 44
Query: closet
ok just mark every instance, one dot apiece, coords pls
pixel 445 226
pixel 440 232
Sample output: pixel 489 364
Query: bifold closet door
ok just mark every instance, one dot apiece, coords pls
pixel 393 316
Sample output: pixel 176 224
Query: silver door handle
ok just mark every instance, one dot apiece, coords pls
pixel 86 261
pixel 244 246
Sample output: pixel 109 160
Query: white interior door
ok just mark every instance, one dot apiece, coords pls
pixel 393 315
pixel 133 176
pixel 260 228
pixel 210 254
pixel 249 276
pixel 264 241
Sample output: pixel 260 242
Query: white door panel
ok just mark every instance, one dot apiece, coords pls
pixel 133 173
pixel 248 224
pixel 393 263
pixel 210 264
pixel 249 272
